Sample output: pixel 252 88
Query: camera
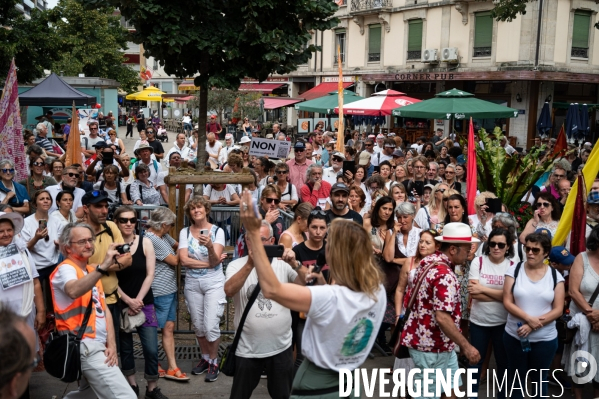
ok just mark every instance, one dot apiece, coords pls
pixel 123 249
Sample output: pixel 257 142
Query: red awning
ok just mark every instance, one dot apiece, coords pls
pixel 182 100
pixel 322 90
pixel 278 102
pixel 265 88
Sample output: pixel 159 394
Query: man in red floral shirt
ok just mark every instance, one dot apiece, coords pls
pixel 433 328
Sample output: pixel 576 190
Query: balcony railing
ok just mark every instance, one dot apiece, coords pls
pixel 579 52
pixel 414 55
pixel 482 52
pixel 368 5
pixel 374 57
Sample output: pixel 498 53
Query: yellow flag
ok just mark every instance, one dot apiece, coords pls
pixel 589 171
pixel 341 129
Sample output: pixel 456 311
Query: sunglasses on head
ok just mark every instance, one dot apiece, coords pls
pixel 125 220
pixel 70 174
pixel 534 250
pixel 500 245
pixel 271 200
pixel 433 232
pixel 543 204
pixel 318 212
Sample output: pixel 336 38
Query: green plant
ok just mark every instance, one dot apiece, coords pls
pixel 509 178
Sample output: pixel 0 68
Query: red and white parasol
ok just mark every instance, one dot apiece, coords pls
pixel 379 104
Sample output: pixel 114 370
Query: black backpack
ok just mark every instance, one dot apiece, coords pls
pixel 128 193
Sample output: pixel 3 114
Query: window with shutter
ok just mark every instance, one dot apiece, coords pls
pixel 339 43
pixel 483 34
pixel 414 39
pixel 374 43
pixel 580 34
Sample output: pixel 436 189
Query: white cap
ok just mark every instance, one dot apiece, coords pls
pixel 244 139
pixel 228 136
pixel 380 136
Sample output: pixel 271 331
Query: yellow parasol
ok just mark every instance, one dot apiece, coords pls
pixel 149 94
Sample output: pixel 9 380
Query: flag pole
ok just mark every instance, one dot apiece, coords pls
pixel 341 129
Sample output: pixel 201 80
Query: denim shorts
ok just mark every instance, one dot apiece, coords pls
pixel 166 308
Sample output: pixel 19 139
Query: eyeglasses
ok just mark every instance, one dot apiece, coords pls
pixel 10 170
pixel 449 173
pixel 93 128
pixel 559 176
pixel 271 200
pixel 281 172
pixel 72 175
pixel 318 212
pixel 543 204
pixel 38 164
pixel 374 187
pixel 337 159
pixel 534 250
pixel 83 242
pixel 125 220
pixel 418 167
pixel 500 245
pixel 265 239
pixel 368 145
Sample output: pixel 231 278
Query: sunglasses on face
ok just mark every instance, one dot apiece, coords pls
pixel 534 250
pixel 368 145
pixel 281 172
pixel 337 159
pixel 38 164
pixel 300 150
pixel 271 200
pixel 93 128
pixel 73 175
pixel 9 170
pixel 543 204
pixel 500 245
pixel 441 190
pixel 125 220
pixel 559 176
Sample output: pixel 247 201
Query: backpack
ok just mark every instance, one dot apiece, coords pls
pixel 153 163
pixel 128 193
pixel 517 271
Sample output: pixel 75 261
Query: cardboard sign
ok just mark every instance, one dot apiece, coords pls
pixel 269 148
pixel 13 271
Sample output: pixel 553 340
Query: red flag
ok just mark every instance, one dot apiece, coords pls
pixel 471 183
pixel 561 145
pixel 579 220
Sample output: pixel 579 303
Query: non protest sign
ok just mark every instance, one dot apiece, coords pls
pixel 269 148
pixel 13 271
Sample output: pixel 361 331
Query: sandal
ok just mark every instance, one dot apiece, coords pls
pixel 172 375
pixel 161 371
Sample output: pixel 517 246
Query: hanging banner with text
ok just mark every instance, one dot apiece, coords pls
pixel 269 148
pixel 13 271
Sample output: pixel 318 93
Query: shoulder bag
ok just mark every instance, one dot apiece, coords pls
pixel 400 351
pixel 564 333
pixel 61 356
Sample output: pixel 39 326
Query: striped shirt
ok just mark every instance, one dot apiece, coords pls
pixel 165 277
pixel 44 143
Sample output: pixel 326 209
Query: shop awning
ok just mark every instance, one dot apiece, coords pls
pixel 323 89
pixel 188 86
pixel 265 88
pixel 278 102
pixel 182 100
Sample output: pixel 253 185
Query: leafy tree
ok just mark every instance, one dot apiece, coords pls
pixel 224 41
pixel 221 100
pixel 508 10
pixel 92 40
pixel 32 42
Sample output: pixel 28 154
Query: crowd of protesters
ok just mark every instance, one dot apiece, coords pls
pixel 388 235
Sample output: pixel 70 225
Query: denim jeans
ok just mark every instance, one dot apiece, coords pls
pixel 149 344
pixel 480 337
pixel 520 362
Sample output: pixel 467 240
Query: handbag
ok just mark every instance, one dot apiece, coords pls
pixel 130 323
pixel 227 362
pixel 400 351
pixel 61 356
pixel 564 333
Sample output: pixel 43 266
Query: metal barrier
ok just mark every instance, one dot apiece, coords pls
pixel 227 218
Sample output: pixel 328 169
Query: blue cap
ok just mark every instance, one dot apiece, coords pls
pixel 561 255
pixel 300 145
pixel 593 198
pixel 461 159
pixel 543 230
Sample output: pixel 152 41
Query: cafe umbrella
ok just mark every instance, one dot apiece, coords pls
pixel 327 104
pixel 544 124
pixel 583 129
pixel 381 103
pixel 572 122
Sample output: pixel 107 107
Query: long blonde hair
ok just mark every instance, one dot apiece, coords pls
pixel 349 252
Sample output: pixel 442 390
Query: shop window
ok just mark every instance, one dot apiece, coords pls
pixel 483 34
pixel 374 43
pixel 339 44
pixel 580 34
pixel 414 39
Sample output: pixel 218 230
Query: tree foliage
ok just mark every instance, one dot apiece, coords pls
pixel 508 10
pixel 32 42
pixel 92 40
pixel 225 41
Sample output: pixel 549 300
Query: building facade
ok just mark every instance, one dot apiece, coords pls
pixel 25 6
pixel 421 47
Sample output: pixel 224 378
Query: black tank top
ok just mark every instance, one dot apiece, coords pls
pixel 132 278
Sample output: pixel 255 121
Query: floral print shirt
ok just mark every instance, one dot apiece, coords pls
pixel 440 290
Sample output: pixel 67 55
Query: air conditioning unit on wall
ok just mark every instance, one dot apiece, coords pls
pixel 449 54
pixel 430 55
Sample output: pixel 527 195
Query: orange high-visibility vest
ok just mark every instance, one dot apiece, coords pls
pixel 71 318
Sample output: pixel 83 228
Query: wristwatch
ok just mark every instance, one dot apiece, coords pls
pixel 101 271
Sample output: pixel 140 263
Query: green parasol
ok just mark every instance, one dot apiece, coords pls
pixel 455 104
pixel 327 104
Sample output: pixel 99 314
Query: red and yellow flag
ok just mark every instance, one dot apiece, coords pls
pixel 341 129
pixel 74 144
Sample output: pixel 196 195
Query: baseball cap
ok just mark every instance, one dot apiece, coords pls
pixel 100 144
pixel 371 136
pixel 543 230
pixel 94 197
pixel 561 255
pixel 269 136
pixel 391 134
pixel 593 198
pixel 338 154
pixel 228 136
pixel 461 159
pixel 429 186
pixel 212 116
pixel 299 145
pixel 339 187
pixel 364 158
pixel 380 136
pixel 398 153
pixel 244 139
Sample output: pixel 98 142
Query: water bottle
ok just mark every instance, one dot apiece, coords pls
pixel 524 341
